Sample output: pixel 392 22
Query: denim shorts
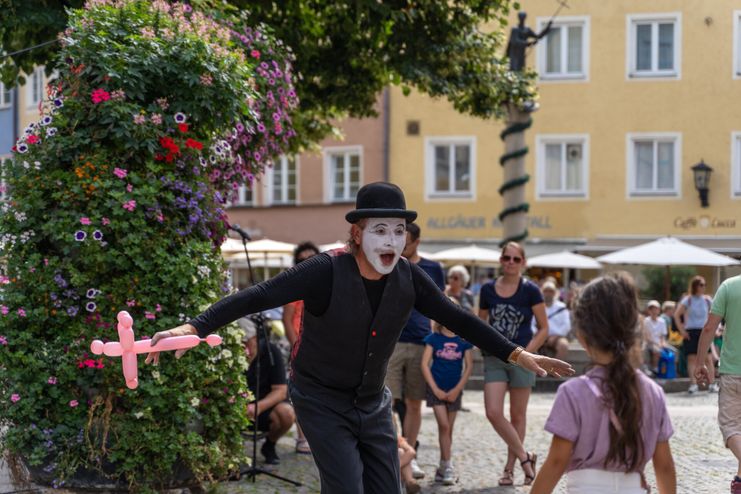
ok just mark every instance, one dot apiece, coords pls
pixel 497 371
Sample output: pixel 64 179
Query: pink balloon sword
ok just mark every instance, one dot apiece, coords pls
pixel 127 348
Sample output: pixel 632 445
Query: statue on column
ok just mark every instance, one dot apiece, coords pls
pixel 521 37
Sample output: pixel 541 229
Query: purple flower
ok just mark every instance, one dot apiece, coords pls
pixel 91 293
pixel 22 148
pixel 90 307
pixel 46 120
pixel 72 311
pixel 98 235
pixel 180 117
pixel 58 102
pixel 80 235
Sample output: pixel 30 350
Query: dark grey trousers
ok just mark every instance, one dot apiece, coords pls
pixel 356 451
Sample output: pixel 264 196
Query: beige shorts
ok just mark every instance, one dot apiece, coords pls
pixel 729 406
pixel 404 375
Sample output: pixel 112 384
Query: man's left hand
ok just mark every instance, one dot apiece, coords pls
pixel 251 411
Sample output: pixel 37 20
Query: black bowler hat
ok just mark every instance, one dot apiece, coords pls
pixel 380 200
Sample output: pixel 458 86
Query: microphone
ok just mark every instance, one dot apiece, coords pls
pixel 241 232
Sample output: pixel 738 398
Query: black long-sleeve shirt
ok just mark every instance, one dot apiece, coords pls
pixel 311 281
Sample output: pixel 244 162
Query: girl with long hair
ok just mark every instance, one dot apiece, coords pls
pixel 609 423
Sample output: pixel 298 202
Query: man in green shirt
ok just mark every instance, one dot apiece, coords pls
pixel 726 305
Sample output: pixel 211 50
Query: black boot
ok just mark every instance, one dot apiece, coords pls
pixel 268 451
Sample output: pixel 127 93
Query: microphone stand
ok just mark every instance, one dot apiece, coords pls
pixel 261 333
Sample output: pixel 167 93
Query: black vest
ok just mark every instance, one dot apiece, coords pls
pixel 342 355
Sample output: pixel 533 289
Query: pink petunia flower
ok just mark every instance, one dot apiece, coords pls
pixel 51 380
pixel 156 118
pixel 129 205
pixel 120 172
pixel 129 187
pixel 100 95
pixel 21 312
pixel 4 310
pixel 106 221
pixel 15 397
pixel 131 302
pixel 85 220
pixel 149 315
pixel 140 119
pixel 3 340
pixel 73 403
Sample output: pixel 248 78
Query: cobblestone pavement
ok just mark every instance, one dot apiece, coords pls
pixel 704 466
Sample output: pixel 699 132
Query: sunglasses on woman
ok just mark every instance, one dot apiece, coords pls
pixel 514 259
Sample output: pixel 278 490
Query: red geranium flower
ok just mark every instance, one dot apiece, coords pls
pixel 193 144
pixel 32 139
pixel 183 127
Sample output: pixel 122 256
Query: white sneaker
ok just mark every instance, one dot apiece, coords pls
pixel 713 388
pixel 449 477
pixel 693 389
pixel 417 472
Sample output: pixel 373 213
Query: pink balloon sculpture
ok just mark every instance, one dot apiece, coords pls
pixel 128 349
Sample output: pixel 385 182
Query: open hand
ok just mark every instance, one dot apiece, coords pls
pixel 544 366
pixel 184 330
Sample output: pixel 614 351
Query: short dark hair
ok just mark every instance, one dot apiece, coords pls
pixel 303 247
pixel 414 231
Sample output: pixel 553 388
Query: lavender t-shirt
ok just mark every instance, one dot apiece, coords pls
pixel 580 417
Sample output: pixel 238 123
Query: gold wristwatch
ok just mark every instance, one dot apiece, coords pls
pixel 512 359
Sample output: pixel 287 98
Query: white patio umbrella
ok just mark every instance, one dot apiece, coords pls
pixel 272 253
pixel 565 259
pixel 668 251
pixel 471 254
pixel 334 245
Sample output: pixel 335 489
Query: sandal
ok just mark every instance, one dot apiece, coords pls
pixel 302 447
pixel 532 458
pixel 507 478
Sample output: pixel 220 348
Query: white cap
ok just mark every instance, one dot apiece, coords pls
pixel 654 303
pixel 250 330
pixel 549 285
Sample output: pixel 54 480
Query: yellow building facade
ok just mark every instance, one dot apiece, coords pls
pixel 632 95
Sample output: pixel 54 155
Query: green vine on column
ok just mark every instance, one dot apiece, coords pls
pixel 515 182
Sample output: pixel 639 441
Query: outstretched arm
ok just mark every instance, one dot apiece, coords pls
pixel 310 281
pixel 432 303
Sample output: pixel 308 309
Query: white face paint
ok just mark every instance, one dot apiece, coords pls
pixel 382 241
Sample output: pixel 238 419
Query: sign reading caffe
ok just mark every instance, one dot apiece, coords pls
pixel 703 222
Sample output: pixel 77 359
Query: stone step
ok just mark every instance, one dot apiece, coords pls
pixel 579 359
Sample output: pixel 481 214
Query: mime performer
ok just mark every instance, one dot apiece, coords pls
pixel 356 304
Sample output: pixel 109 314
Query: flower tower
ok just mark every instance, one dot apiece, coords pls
pixel 116 202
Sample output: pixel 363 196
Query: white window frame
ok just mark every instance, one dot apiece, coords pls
pixel 540 162
pixel 5 103
pixel 631 60
pixel 241 193
pixel 36 81
pixel 282 161
pixel 3 194
pixel 736 65
pixel 329 182
pixel 430 193
pixel 736 165
pixel 542 50
pixel 631 192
